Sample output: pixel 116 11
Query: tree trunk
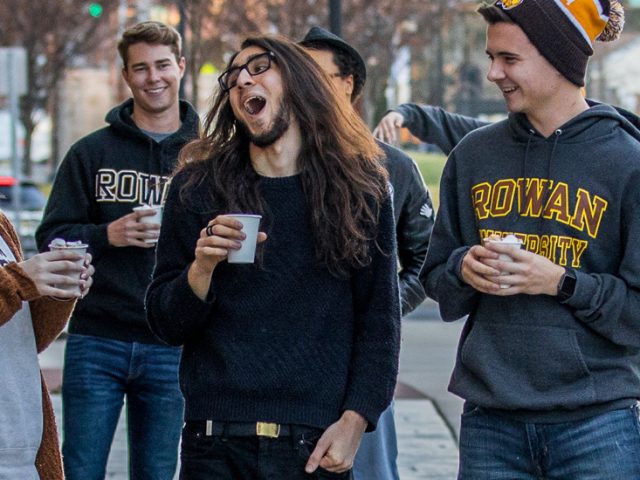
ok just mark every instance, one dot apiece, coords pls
pixel 29 125
pixel 436 93
pixel 54 102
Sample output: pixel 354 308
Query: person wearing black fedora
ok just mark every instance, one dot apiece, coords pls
pixel 413 211
pixel 548 357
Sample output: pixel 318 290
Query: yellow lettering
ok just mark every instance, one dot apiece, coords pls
pixel 533 243
pixel 544 246
pixel 481 198
pixel 588 212
pixel 564 243
pixel 553 243
pixel 502 197
pixel 579 247
pixel 558 204
pixel 530 196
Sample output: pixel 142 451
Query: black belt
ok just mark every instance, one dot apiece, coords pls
pixel 209 428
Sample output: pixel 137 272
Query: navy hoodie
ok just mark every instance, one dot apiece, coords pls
pixel 102 178
pixel 574 198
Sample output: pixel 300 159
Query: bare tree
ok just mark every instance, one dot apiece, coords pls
pixel 376 28
pixel 55 34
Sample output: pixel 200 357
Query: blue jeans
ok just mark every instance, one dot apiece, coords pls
pixel 98 373
pixel 603 447
pixel 225 457
pixel 378 452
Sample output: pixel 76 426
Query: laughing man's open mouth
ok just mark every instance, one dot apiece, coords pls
pixel 254 105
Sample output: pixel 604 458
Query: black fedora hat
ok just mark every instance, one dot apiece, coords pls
pixel 318 35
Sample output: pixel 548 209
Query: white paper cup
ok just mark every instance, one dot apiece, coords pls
pixel 505 257
pixel 250 226
pixel 155 218
pixel 78 248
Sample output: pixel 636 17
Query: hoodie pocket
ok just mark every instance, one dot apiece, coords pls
pixel 513 366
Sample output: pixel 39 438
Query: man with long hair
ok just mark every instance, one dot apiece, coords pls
pixel 286 362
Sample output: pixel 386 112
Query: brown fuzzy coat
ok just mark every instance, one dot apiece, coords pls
pixel 49 317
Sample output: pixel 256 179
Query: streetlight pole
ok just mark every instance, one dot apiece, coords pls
pixel 335 17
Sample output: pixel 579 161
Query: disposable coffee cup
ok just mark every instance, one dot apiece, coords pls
pixel 514 244
pixel 155 218
pixel 75 247
pixel 250 225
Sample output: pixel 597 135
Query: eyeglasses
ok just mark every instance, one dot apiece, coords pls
pixel 255 66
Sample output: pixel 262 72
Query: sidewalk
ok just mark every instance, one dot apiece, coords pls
pixel 426 447
pixel 426 415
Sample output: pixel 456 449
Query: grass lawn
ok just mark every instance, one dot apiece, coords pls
pixel 430 165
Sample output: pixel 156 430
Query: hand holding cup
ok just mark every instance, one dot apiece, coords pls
pixel 231 236
pixel 63 273
pixel 151 215
pixel 131 230
pixel 510 241
pixel 221 236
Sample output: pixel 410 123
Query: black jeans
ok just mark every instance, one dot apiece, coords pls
pixel 222 457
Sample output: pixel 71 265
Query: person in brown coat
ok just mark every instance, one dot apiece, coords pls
pixel 33 311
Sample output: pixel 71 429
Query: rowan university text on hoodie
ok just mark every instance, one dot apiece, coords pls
pixel 574 198
pixel 102 178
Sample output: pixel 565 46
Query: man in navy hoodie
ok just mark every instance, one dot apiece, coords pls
pixel 547 361
pixel 111 352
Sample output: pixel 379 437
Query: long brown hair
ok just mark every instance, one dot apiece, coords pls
pixel 340 164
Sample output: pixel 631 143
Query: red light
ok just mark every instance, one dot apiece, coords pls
pixel 7 181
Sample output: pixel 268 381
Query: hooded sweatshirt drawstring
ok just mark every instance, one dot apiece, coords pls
pixel 550 177
pixel 523 175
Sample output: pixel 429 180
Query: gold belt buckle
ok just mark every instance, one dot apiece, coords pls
pixel 264 429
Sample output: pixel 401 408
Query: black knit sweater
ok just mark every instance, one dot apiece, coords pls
pixel 281 340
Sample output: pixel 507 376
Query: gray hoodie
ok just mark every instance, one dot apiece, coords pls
pixel 574 198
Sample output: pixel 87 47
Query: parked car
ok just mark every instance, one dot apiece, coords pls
pixel 32 203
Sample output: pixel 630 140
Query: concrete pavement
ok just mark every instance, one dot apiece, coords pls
pixel 427 416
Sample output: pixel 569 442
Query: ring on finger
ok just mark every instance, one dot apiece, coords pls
pixel 209 230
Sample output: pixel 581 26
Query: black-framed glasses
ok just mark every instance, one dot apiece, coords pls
pixel 256 65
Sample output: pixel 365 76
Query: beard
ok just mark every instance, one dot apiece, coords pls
pixel 278 127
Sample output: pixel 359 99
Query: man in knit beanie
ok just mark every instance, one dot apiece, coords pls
pixel 563 31
pixel 535 243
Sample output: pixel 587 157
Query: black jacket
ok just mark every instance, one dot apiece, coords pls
pixel 103 176
pixel 414 217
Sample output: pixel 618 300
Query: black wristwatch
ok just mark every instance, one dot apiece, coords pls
pixel 567 284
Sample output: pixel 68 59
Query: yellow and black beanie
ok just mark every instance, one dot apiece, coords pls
pixel 563 31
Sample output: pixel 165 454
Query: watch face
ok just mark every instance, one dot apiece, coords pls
pixel 568 286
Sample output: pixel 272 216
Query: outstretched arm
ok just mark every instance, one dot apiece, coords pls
pixel 429 124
